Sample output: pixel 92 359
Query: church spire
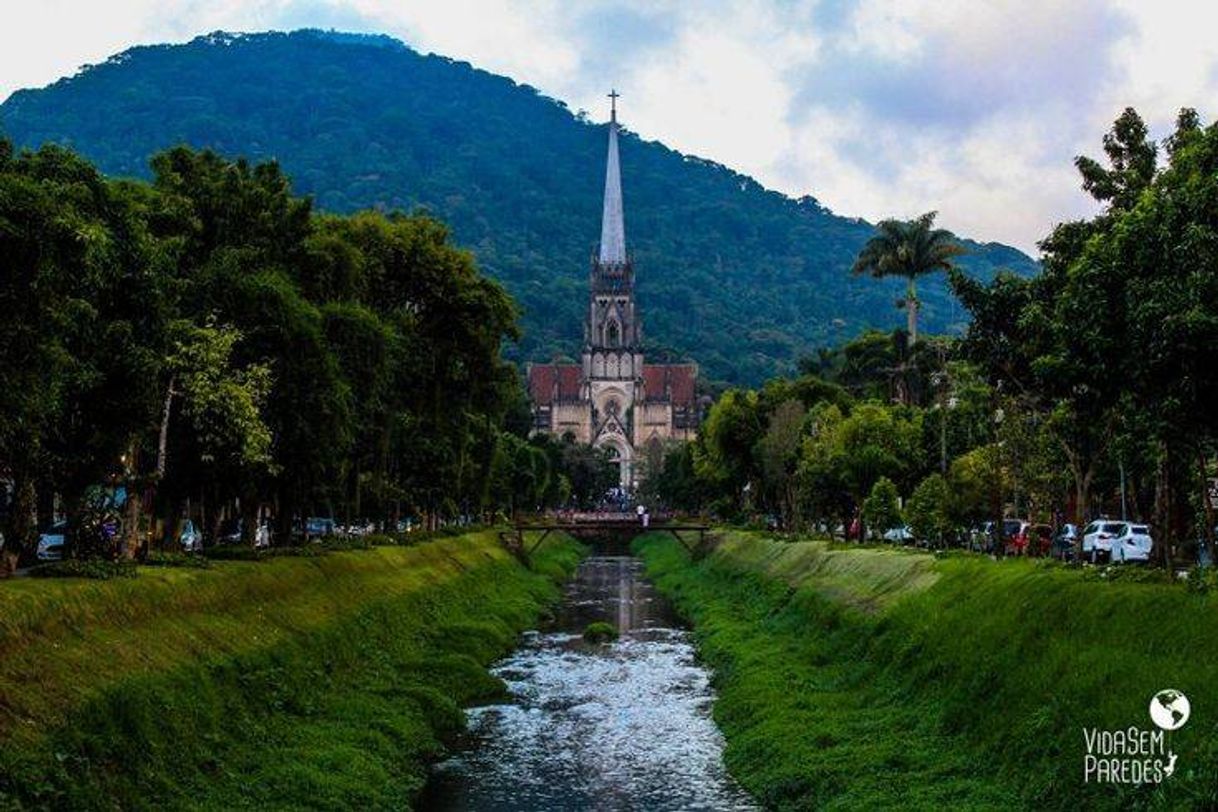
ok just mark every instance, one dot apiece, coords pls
pixel 613 225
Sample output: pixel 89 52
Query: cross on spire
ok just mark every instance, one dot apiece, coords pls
pixel 613 229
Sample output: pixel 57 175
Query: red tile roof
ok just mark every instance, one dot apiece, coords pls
pixel 663 382
pixel 544 377
pixel 673 382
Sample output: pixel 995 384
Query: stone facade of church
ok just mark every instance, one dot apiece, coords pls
pixel 613 398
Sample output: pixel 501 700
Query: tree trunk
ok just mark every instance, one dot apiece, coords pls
pixel 20 534
pixel 44 503
pixel 1082 494
pixel 1163 504
pixel 1208 533
pixel 249 518
pixel 162 447
pixel 287 513
pixel 173 523
pixel 73 509
pixel 130 540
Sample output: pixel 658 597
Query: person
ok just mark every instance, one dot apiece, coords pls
pixel 642 513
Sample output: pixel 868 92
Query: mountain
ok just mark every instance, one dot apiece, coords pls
pixel 739 278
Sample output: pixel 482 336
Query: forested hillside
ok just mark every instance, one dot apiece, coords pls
pixel 741 279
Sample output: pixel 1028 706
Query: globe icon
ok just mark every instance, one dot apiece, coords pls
pixel 1169 709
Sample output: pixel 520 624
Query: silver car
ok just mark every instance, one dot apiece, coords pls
pixel 1133 544
pixel 1098 536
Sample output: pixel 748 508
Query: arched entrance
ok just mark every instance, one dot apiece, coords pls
pixel 620 453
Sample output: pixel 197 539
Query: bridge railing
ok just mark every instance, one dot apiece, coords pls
pixel 604 517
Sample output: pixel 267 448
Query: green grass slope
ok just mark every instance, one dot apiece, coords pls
pixel 870 679
pixel 320 682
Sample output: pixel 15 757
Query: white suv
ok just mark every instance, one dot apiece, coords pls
pixel 1098 536
pixel 1133 544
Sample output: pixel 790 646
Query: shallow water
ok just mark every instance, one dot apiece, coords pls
pixel 620 726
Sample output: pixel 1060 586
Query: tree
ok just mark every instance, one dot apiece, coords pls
pixel 1056 341
pixel 778 454
pixel 929 510
pixel 881 508
pixel 105 301
pixel 1131 162
pixel 221 433
pixel 1152 267
pixel 978 483
pixel 824 492
pixel 267 356
pixel 908 249
pixel 843 456
pixel 34 236
pixel 723 456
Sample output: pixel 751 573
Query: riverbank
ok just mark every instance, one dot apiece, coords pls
pixel 326 681
pixel 853 678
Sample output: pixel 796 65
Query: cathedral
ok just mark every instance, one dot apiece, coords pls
pixel 613 398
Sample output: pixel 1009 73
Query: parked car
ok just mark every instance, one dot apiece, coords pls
pixel 1064 540
pixel 1031 539
pixel 189 537
pixel 358 529
pixel 50 542
pixel 1098 536
pixel 231 530
pixel 982 539
pixel 1133 544
pixel 899 535
pixel 316 527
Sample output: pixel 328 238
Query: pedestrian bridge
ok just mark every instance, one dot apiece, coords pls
pixel 612 530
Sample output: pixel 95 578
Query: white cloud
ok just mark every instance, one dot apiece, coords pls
pixel 877 107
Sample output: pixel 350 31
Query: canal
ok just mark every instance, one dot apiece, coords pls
pixel 624 725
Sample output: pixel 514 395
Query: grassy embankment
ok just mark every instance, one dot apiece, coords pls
pixel 867 678
pixel 322 682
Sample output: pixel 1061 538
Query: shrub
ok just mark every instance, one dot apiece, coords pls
pixel 97 568
pixel 600 632
pixel 1201 579
pixel 233 552
pixel 162 559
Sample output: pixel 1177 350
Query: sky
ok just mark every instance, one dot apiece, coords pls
pixel 878 108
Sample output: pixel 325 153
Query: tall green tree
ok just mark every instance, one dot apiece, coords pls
pixel 882 508
pixel 908 249
pixel 1057 341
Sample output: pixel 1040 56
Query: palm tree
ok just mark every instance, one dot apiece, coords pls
pixel 909 249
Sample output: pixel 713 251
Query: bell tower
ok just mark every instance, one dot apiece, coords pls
pixel 613 356
pixel 612 334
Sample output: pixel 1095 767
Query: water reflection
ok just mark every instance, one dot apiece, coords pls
pixel 620 726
